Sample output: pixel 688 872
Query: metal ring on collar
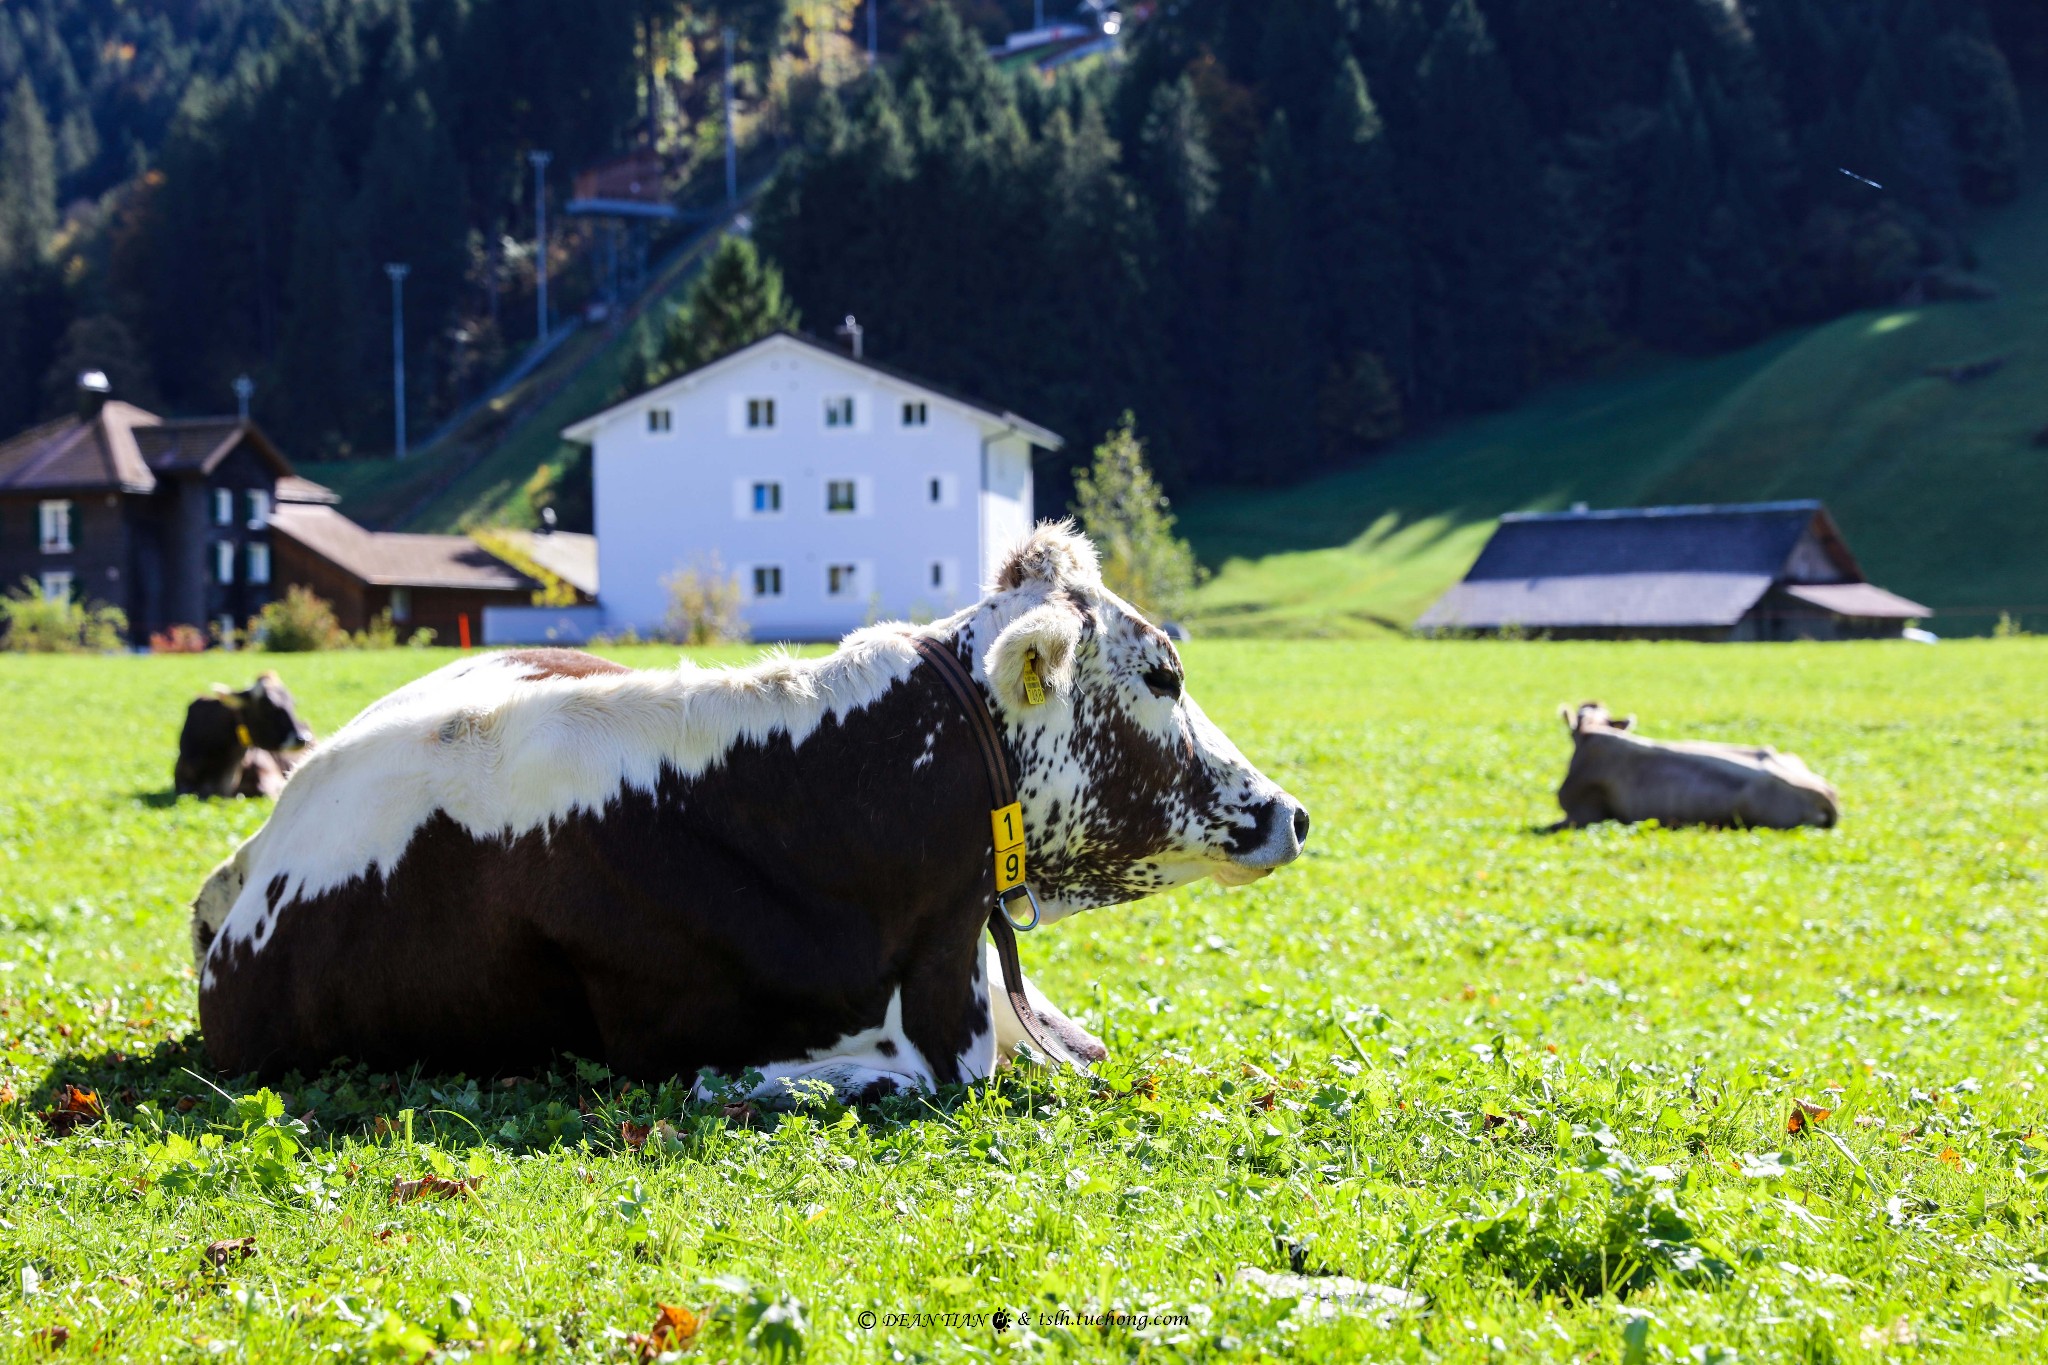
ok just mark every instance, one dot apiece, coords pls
pixel 1010 895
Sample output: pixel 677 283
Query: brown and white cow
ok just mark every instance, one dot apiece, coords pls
pixel 1617 774
pixel 784 867
pixel 239 743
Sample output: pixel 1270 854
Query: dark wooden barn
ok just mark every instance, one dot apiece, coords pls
pixel 168 520
pixel 1746 571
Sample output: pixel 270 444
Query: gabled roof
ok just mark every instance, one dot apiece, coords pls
pixel 987 414
pixel 74 454
pixel 569 555
pixel 198 444
pixel 1700 566
pixel 293 488
pixel 387 559
pixel 124 447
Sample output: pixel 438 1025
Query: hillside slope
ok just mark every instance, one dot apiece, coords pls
pixel 1937 484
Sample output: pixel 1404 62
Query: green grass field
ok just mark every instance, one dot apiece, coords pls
pixel 1937 485
pixel 1541 1083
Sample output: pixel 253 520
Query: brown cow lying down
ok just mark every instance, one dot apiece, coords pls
pixel 1619 775
pixel 240 743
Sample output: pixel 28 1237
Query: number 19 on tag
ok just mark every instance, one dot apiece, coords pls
pixel 1008 826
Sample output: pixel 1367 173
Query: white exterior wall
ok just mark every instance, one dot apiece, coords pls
pixel 666 499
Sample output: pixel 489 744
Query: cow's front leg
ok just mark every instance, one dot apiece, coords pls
pixel 1081 1046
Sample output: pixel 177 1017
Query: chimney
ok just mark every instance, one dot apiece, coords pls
pixel 92 393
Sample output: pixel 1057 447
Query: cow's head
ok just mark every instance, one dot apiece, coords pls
pixel 1592 716
pixel 272 721
pixel 1127 787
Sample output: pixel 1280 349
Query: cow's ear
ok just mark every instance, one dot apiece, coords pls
pixel 1625 723
pixel 1570 718
pixel 1041 641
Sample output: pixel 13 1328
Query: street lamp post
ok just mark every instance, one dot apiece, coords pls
pixel 244 388
pixel 398 272
pixel 732 165
pixel 540 162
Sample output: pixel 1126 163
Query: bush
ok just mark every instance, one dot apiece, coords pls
pixel 704 605
pixel 179 639
pixel 1124 513
pixel 298 623
pixel 34 623
pixel 382 633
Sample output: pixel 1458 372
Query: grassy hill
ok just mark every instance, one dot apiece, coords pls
pixel 1937 485
pixel 506 459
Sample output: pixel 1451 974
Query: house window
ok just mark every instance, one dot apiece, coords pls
pixel 223 507
pixel 841 580
pixel 223 561
pixel 259 562
pixel 939 490
pixel 915 414
pixel 661 420
pixel 938 574
pixel 760 413
pixel 259 509
pixel 839 411
pixel 767 498
pixel 767 580
pixel 839 495
pixel 54 520
pixel 401 604
pixel 57 584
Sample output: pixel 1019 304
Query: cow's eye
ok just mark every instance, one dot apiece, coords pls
pixel 1164 682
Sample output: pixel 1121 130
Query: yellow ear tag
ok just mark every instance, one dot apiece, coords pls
pixel 1034 690
pixel 1008 822
pixel 242 733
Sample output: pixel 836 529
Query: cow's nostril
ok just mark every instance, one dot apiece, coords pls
pixel 1301 824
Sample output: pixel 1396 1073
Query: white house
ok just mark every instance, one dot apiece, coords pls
pixel 837 490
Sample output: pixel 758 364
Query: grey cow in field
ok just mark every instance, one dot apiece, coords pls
pixel 1617 774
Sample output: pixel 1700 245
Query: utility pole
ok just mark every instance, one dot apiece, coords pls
pixel 874 12
pixel 852 331
pixel 732 164
pixel 244 387
pixel 398 272
pixel 1038 13
pixel 540 162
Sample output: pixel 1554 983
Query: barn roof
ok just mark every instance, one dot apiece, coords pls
pixel 389 559
pixel 1697 566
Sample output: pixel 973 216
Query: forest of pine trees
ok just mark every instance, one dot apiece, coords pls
pixel 1280 232
pixel 1288 229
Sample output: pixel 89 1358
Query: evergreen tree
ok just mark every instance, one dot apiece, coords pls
pixel 1124 512
pixel 1274 434
pixel 737 300
pixel 323 343
pixel 1676 289
pixel 1180 180
pixel 28 180
pixel 1983 110
pixel 1360 240
pixel 1475 199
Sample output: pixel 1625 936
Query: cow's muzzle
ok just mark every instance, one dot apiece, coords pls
pixel 1274 841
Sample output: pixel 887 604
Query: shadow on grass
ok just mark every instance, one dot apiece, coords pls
pixel 566 1102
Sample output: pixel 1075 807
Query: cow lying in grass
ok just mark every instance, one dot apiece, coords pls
pixel 239 743
pixel 784 867
pixel 1617 774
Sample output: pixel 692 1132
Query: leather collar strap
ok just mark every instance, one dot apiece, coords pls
pixel 1002 793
